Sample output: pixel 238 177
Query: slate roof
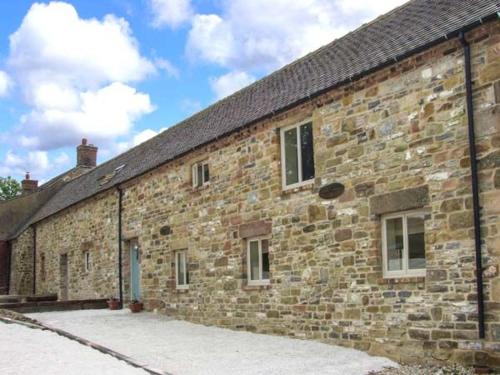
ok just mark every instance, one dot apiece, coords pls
pixel 406 30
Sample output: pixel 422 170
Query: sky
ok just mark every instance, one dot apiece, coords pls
pixel 118 72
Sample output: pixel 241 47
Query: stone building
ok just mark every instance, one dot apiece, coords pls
pixel 333 200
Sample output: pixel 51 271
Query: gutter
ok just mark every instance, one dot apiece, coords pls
pixel 34 259
pixel 475 184
pixel 120 276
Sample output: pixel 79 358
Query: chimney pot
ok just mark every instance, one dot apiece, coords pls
pixel 84 141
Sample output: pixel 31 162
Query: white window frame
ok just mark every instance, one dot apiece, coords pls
pixel 186 284
pixel 261 281
pixel 87 265
pixel 194 174
pixel 301 182
pixel 405 272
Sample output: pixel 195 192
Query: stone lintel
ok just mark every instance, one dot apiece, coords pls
pixel 179 244
pixel 255 229
pixel 401 200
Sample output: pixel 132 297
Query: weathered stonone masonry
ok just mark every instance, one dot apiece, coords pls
pixel 334 200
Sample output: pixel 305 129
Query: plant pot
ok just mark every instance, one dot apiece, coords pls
pixel 135 307
pixel 113 304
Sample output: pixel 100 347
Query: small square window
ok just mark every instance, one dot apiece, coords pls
pixel 200 174
pixel 297 155
pixel 258 261
pixel 87 265
pixel 403 244
pixel 181 270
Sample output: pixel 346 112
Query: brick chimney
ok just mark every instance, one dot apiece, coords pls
pixel 28 185
pixel 86 155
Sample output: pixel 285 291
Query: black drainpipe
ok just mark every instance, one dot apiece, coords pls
pixel 120 283
pixel 475 185
pixel 34 259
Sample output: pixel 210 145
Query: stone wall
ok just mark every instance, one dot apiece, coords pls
pixel 401 128
pixel 89 226
pixel 21 271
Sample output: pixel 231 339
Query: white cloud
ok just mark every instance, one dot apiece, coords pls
pixel 5 83
pixel 38 163
pixel 229 83
pixel 136 140
pixel 168 67
pixel 101 115
pixel 76 74
pixel 33 161
pixel 171 13
pixel 262 35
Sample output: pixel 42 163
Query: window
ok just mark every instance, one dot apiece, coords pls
pixel 258 261
pixel 297 154
pixel 181 270
pixel 403 244
pixel 42 267
pixel 200 174
pixel 86 261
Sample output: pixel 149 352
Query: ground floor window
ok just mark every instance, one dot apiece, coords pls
pixel 258 261
pixel 87 264
pixel 181 270
pixel 403 244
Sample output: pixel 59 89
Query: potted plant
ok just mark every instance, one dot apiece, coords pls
pixel 135 306
pixel 113 303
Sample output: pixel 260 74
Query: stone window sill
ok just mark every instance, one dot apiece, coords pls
pixel 308 185
pixel 403 280
pixel 256 287
pixel 196 189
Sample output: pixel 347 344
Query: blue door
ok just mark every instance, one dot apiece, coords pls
pixel 135 271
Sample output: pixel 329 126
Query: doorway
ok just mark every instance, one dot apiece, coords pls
pixel 135 271
pixel 63 277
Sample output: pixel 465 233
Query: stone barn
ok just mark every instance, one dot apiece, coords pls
pixel 351 197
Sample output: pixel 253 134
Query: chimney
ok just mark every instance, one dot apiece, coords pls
pixel 28 185
pixel 86 155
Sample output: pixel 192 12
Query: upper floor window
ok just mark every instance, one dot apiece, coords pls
pixel 258 261
pixel 200 174
pixel 181 270
pixel 403 244
pixel 297 154
pixel 87 265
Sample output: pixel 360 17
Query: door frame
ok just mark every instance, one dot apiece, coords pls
pixel 134 247
pixel 65 281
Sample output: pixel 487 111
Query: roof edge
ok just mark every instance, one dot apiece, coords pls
pixel 453 34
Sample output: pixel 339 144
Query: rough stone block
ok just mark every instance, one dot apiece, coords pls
pixel 400 200
pixel 255 229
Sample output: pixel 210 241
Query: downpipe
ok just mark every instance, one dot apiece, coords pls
pixel 120 276
pixel 475 185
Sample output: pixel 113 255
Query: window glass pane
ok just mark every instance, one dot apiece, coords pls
pixel 254 260
pixel 291 160
pixel 394 233
pixel 180 268
pixel 265 259
pixel 206 175
pixel 200 175
pixel 416 241
pixel 307 152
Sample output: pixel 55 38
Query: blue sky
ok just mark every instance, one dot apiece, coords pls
pixel 119 71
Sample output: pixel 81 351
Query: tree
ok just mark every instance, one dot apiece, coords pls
pixel 9 188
